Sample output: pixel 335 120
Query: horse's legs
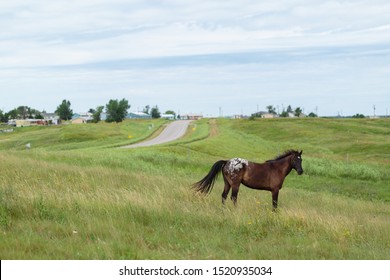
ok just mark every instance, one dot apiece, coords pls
pixel 232 178
pixel 235 188
pixel 225 190
pixel 275 194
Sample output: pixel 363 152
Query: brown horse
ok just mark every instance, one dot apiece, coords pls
pixel 267 176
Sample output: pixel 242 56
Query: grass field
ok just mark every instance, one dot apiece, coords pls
pixel 75 195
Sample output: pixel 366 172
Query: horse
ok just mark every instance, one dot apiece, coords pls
pixel 267 176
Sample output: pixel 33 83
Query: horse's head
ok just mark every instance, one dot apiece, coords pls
pixel 296 162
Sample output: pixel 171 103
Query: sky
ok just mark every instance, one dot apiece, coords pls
pixel 205 57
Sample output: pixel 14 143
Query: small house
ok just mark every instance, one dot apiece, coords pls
pixel 81 120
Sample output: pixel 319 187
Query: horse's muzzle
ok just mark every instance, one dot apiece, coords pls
pixel 300 172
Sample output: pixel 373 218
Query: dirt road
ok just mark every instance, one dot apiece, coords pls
pixel 173 131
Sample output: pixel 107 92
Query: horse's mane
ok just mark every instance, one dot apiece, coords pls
pixel 285 154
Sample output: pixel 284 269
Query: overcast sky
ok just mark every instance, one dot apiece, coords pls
pixel 197 56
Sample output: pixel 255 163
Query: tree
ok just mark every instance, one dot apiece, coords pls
pixel 358 116
pixel 271 109
pixel 297 112
pixel 289 109
pixel 13 114
pixel 256 115
pixel 64 111
pixel 117 110
pixel 284 114
pixel 23 112
pixel 155 112
pixel 312 115
pixel 146 109
pixel 2 117
pixel 37 114
pixel 96 113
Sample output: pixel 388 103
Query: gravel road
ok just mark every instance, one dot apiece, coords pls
pixel 173 131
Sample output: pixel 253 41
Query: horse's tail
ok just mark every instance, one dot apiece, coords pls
pixel 206 184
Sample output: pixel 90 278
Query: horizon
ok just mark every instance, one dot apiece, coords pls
pixel 277 114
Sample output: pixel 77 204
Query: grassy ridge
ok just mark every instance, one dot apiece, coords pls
pixel 99 202
pixel 362 140
pixel 359 174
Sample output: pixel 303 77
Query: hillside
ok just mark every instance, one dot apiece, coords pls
pixel 70 137
pixel 73 195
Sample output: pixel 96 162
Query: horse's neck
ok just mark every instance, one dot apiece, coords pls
pixel 285 165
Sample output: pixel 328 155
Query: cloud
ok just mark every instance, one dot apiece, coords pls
pixel 68 32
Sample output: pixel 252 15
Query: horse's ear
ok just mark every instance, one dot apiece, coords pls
pixel 301 152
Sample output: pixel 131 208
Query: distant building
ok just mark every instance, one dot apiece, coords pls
pixel 51 118
pixel 265 115
pixel 48 119
pixel 29 122
pixel 12 122
pixel 138 115
pixel 82 115
pixel 168 116
pixel 191 117
pixel 79 118
pixel 292 115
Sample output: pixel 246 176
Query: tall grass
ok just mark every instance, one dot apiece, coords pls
pixel 109 203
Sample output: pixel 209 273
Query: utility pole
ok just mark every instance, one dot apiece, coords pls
pixel 374 111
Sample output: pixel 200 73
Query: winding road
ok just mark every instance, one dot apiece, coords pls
pixel 172 132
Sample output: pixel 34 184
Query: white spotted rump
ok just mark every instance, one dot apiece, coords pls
pixel 236 164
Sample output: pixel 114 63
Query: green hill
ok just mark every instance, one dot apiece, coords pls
pixel 74 195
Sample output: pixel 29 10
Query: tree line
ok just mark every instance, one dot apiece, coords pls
pixel 21 112
pixel 116 111
pixel 296 112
